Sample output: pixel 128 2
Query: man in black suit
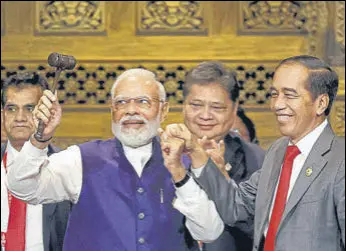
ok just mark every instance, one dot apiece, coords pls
pixel 211 94
pixel 26 227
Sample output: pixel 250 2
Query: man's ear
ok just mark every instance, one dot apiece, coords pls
pixel 235 107
pixel 2 116
pixel 164 111
pixel 111 108
pixel 322 103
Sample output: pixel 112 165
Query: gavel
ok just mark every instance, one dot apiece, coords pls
pixel 60 62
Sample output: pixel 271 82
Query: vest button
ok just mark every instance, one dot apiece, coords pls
pixel 141 216
pixel 141 240
pixel 140 190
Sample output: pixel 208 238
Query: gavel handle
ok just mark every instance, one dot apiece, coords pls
pixel 40 128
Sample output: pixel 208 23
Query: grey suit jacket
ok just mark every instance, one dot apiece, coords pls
pixel 239 238
pixel 54 217
pixel 314 217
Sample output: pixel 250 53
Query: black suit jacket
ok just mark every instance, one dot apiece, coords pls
pixel 54 216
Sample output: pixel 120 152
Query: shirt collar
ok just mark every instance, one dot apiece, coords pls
pixel 305 144
pixel 142 150
pixel 12 153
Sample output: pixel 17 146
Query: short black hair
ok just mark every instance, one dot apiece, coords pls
pixel 322 78
pixel 22 80
pixel 249 125
pixel 212 72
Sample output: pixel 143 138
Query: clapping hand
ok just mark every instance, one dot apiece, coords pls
pixel 216 152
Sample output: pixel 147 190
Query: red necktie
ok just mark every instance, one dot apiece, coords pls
pixel 15 235
pixel 281 197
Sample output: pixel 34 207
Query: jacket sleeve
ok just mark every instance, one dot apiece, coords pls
pixel 234 203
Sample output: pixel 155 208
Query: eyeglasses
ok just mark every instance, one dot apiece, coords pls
pixel 140 102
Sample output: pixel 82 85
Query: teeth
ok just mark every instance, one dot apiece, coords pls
pixel 135 122
pixel 283 118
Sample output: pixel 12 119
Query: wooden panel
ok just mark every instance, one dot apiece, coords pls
pixel 90 83
pixel 250 37
pixel 70 17
pixel 337 117
pixel 272 17
pixel 171 18
pixel 2 18
pixel 122 44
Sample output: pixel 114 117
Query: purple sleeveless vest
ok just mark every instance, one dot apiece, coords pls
pixel 117 210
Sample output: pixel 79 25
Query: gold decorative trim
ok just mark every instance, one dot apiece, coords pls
pixel 171 17
pixel 340 23
pixel 317 22
pixel 90 83
pixel 271 17
pixel 339 118
pixel 70 17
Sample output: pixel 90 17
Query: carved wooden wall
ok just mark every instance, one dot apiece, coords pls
pixel 167 37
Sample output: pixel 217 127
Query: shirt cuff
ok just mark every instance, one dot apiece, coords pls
pixel 188 191
pixel 184 196
pixel 197 171
pixel 33 151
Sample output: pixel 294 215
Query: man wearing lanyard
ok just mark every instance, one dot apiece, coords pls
pixel 25 227
pixel 298 197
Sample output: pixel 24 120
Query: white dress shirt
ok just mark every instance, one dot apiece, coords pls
pixel 191 197
pixel 59 177
pixel 33 230
pixel 138 157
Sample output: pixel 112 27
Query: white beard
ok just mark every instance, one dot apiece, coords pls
pixel 132 137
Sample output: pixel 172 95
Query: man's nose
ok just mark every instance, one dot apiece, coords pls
pixel 21 115
pixel 279 103
pixel 131 108
pixel 206 113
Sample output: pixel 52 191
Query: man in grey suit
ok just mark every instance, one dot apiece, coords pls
pixel 211 94
pixel 45 225
pixel 298 197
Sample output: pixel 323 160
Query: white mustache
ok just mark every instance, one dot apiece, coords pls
pixel 134 117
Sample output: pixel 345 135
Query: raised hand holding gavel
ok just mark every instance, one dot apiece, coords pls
pixel 60 62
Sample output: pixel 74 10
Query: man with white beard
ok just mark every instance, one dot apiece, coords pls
pixel 120 187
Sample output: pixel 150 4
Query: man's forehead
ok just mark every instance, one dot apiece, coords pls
pixel 208 97
pixel 28 94
pixel 24 88
pixel 134 85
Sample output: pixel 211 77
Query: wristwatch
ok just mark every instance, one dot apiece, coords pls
pixel 183 181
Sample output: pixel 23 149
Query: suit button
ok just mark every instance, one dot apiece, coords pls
pixel 141 240
pixel 141 216
pixel 140 190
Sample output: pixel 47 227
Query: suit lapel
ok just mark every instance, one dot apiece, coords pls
pixel 229 154
pixel 272 178
pixel 316 161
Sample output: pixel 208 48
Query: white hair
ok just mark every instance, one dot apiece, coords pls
pixel 139 72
